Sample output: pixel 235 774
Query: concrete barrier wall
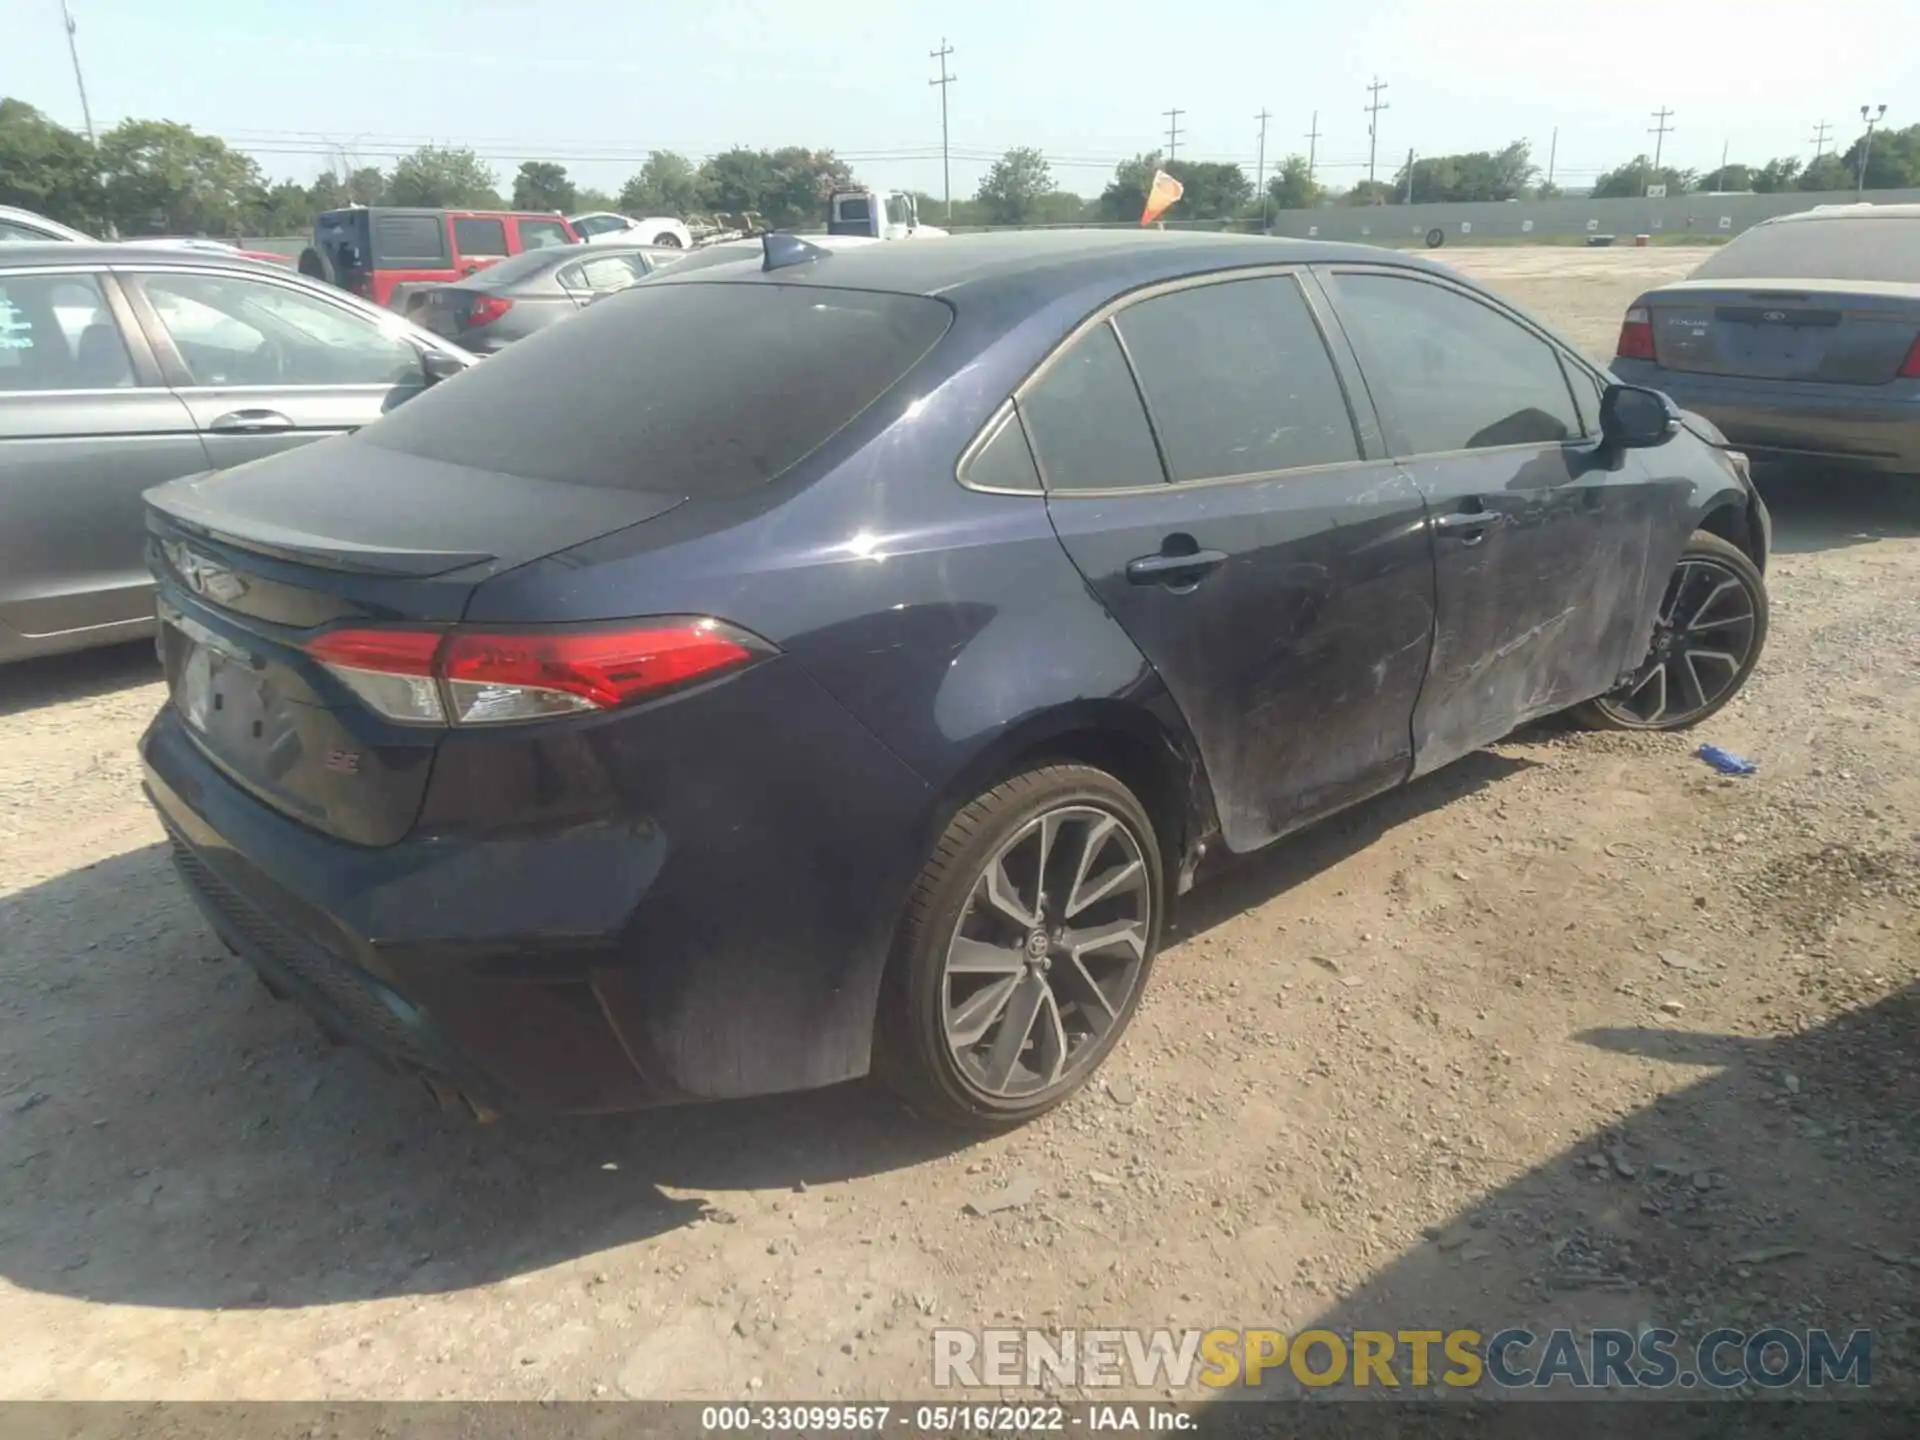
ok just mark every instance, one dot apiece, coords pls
pixel 1464 224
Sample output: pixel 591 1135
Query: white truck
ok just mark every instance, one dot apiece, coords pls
pixel 879 214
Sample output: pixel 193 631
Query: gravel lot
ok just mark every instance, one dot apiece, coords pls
pixel 1573 1032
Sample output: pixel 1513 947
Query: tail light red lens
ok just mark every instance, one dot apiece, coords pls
pixel 1636 336
pixel 1910 367
pixel 485 309
pixel 469 677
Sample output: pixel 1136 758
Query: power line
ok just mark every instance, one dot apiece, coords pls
pixel 1374 106
pixel 1173 130
pixel 1659 133
pixel 946 170
pixel 1313 143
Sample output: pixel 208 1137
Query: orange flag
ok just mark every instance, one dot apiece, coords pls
pixel 1165 191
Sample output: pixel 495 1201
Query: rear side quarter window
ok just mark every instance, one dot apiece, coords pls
pixel 477 235
pixel 1086 420
pixel 409 241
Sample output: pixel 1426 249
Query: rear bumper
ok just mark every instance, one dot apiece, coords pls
pixel 569 938
pixel 1776 420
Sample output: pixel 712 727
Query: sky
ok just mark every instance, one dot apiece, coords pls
pixel 598 85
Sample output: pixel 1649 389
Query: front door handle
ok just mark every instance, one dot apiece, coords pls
pixel 1174 570
pixel 1470 523
pixel 251 422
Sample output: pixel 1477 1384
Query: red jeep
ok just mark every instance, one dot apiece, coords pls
pixel 380 252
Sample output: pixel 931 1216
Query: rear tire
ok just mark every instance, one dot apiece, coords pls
pixel 1023 949
pixel 668 240
pixel 1707 639
pixel 315 266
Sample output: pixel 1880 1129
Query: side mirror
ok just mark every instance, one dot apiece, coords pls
pixel 1633 417
pixel 439 365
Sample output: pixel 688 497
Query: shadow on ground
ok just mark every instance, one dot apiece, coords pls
pixel 171 1135
pixel 1822 511
pixel 36 684
pixel 1745 1199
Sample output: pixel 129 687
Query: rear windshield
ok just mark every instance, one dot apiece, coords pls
pixel 681 389
pixel 519 267
pixel 1854 247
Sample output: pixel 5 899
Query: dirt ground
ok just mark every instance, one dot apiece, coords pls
pixel 1576 1031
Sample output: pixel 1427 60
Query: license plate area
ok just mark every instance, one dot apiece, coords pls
pixel 227 696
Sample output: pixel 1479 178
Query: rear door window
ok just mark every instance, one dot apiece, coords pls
pixel 685 389
pixel 1085 417
pixel 1450 373
pixel 475 235
pixel 539 234
pixel 409 242
pixel 235 330
pixel 1238 379
pixel 56 333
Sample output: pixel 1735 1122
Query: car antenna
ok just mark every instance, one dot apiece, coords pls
pixel 783 249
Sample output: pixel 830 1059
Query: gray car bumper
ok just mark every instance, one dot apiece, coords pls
pixel 1776 420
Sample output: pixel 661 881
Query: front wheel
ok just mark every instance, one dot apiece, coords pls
pixel 1707 638
pixel 1023 949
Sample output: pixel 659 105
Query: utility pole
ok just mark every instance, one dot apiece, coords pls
pixel 1723 166
pixel 1873 118
pixel 1553 151
pixel 73 49
pixel 1659 133
pixel 1374 106
pixel 1173 130
pixel 946 170
pixel 1409 175
pixel 1820 140
pixel 1313 145
pixel 1260 184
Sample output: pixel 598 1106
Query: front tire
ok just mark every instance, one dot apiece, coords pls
pixel 1707 638
pixel 1023 949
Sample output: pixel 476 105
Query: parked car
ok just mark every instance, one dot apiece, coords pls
pixel 511 300
pixel 123 366
pixel 25 227
pixel 599 226
pixel 1800 339
pixel 378 251
pixel 780 671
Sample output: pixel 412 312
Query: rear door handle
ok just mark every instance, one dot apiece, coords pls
pixel 1175 570
pixel 250 422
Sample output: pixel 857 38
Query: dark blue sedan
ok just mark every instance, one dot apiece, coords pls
pixel 842 662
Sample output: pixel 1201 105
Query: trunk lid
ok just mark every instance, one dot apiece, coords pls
pixel 1825 331
pixel 253 562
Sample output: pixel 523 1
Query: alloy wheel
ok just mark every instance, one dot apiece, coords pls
pixel 1047 952
pixel 1702 640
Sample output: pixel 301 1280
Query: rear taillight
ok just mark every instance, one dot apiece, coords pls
pixel 472 677
pixel 1910 367
pixel 485 309
pixel 1636 336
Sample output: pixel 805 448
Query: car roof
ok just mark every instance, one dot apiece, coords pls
pixel 1858 210
pixel 33 217
pixel 74 252
pixel 1042 264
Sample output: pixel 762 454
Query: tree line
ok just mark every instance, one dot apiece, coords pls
pixel 160 177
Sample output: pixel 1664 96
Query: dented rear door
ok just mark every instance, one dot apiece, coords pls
pixel 1541 537
pixel 1274 567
